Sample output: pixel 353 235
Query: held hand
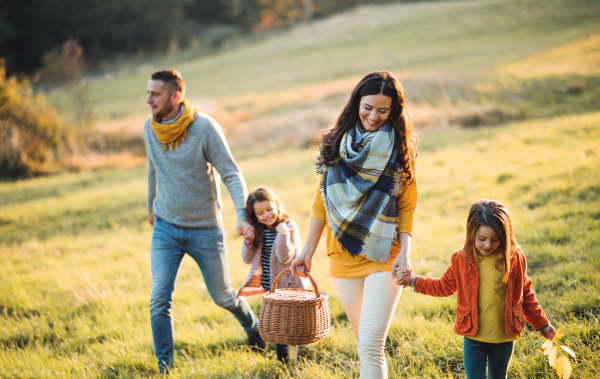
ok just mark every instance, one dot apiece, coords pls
pixel 405 277
pixel 151 217
pixel 548 332
pixel 249 235
pixel 244 229
pixel 402 262
pixel 281 228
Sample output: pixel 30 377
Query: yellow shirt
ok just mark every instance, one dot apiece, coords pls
pixel 489 304
pixel 341 264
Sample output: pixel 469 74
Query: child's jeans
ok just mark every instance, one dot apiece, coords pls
pixel 496 356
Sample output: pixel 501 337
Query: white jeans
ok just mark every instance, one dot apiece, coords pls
pixel 370 302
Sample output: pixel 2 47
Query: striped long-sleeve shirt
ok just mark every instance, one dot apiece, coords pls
pixel 267 247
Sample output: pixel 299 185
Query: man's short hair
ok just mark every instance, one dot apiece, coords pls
pixel 172 79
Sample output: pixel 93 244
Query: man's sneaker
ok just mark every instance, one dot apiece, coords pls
pixel 255 342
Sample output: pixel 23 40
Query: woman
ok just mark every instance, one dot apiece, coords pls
pixel 366 200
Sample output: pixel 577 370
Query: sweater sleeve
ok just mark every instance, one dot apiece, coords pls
pixel 248 252
pixel 318 207
pixel 151 185
pixel 439 287
pixel 218 154
pixel 150 172
pixel 407 204
pixel 531 306
pixel 287 244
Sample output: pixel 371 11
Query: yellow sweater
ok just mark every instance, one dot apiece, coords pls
pixel 489 304
pixel 341 263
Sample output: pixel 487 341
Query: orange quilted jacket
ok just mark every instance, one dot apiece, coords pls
pixel 464 278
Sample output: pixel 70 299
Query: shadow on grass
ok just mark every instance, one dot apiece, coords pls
pixel 128 369
pixel 130 212
pixel 21 340
pixel 16 312
pixel 201 350
pixel 54 339
pixel 32 191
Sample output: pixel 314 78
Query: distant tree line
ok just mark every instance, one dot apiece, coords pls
pixel 33 31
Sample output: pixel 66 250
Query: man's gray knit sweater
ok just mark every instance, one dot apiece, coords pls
pixel 183 183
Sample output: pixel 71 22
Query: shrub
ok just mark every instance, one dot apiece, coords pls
pixel 30 129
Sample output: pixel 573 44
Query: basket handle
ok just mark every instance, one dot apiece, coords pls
pixel 312 281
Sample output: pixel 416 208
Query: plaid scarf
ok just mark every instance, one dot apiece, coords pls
pixel 360 192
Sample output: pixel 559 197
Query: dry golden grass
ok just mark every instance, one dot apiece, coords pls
pixel 578 57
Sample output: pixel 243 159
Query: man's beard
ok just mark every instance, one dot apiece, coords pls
pixel 166 109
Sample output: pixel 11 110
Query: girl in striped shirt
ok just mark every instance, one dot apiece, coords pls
pixel 275 244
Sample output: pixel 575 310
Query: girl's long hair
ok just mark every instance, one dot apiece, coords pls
pixel 263 193
pixel 494 215
pixel 379 82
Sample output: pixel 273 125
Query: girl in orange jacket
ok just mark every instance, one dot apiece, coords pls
pixel 494 291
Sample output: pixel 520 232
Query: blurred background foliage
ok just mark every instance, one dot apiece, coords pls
pixel 259 66
pixel 33 31
pixel 29 128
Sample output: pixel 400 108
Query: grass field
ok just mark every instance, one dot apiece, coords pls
pixel 74 247
pixel 76 281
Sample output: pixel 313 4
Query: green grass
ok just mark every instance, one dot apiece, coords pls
pixel 74 298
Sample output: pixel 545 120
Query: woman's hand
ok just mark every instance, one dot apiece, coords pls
pixel 548 332
pixel 402 261
pixel 402 265
pixel 301 263
pixel 304 261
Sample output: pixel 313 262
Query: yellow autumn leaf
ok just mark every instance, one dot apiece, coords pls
pixel 566 368
pixel 552 357
pixel 558 335
pixel 569 351
pixel 547 346
pixel 559 367
pixel 563 367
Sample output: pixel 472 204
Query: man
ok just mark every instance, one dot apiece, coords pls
pixel 187 154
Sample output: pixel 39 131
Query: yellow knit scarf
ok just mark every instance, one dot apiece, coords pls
pixel 172 134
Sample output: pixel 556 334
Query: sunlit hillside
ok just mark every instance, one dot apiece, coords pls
pixel 460 61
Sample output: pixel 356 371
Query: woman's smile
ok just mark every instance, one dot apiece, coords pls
pixel 374 111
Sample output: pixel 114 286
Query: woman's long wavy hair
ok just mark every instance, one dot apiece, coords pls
pixel 494 215
pixel 263 193
pixel 379 82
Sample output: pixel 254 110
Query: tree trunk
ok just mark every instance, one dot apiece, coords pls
pixel 308 10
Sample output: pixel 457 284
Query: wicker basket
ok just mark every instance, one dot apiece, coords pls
pixel 294 316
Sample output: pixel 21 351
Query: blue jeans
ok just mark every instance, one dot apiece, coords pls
pixel 496 356
pixel 207 247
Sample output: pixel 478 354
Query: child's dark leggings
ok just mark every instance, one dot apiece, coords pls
pixel 496 356
pixel 283 352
